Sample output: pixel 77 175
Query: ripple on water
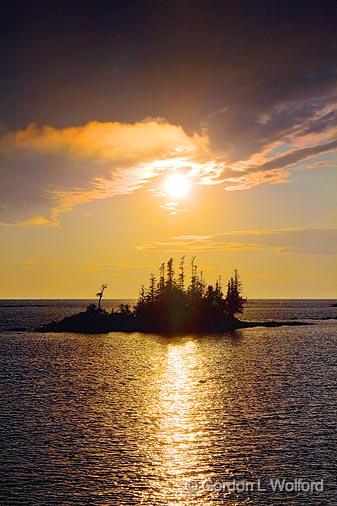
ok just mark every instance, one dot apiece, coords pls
pixel 131 419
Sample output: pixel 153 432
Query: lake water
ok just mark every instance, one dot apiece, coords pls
pixel 124 419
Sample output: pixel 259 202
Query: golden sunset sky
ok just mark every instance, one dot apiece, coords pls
pixel 134 134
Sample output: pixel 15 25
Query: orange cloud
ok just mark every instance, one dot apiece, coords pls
pixel 46 171
pixel 61 168
pixel 110 141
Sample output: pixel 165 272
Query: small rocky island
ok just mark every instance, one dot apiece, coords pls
pixel 168 307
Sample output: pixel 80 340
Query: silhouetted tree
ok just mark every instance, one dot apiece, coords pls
pixel 152 289
pixel 161 287
pixel 234 300
pixel 125 310
pixel 168 306
pixel 170 274
pixel 100 295
pixel 181 279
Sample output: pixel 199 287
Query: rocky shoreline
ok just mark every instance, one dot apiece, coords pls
pixel 100 322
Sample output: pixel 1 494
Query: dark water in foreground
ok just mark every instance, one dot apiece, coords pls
pixel 123 419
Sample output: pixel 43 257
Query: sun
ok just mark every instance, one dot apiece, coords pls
pixel 177 185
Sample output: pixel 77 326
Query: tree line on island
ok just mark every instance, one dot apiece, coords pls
pixel 169 304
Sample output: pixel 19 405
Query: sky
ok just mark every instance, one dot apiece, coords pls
pixel 133 131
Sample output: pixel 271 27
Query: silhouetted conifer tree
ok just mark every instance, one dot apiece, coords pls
pixel 234 300
pixel 167 305
pixel 181 281
pixel 152 289
pixel 161 280
pixel 170 274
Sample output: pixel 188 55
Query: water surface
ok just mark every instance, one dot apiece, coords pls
pixel 122 419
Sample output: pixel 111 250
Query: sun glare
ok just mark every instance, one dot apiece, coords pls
pixel 177 185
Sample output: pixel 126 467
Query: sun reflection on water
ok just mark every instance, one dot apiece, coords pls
pixel 178 428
